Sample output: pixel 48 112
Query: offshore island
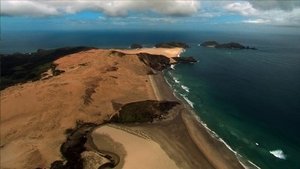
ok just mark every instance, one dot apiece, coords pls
pixel 101 108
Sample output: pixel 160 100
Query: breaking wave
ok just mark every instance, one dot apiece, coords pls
pixel 187 100
pixel 176 80
pixel 185 88
pixel 172 67
pixel 278 153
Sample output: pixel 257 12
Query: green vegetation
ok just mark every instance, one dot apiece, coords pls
pixel 143 111
pixel 20 68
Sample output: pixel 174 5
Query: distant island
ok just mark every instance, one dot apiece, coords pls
pixel 172 45
pixel 230 45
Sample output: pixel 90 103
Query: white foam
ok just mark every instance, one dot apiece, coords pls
pixel 185 88
pixel 173 67
pixel 176 80
pixel 211 132
pixel 253 164
pixel 278 153
pixel 188 101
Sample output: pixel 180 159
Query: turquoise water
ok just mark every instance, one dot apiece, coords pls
pixel 251 99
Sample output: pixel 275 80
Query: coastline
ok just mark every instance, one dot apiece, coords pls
pixel 181 138
pixel 215 151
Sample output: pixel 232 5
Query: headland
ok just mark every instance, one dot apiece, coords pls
pixel 102 108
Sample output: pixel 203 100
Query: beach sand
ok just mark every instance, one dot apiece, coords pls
pixel 96 83
pixel 184 139
pixel 138 151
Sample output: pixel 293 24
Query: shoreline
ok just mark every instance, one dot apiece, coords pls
pixel 210 146
pixel 191 116
pixel 180 137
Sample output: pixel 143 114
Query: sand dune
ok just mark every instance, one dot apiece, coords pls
pixel 35 115
pixel 139 152
pixel 94 86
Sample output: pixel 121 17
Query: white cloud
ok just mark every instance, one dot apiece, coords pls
pixel 286 5
pixel 28 8
pixel 244 8
pixel 274 16
pixel 108 7
pixel 256 21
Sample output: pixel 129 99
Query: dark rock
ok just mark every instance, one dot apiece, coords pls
pixel 156 62
pixel 231 45
pixel 57 165
pixel 172 45
pixel 72 148
pixel 136 46
pixel 184 59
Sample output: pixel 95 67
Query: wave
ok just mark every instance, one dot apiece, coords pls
pixel 278 153
pixel 187 100
pixel 185 88
pixel 172 67
pixel 247 164
pixel 176 80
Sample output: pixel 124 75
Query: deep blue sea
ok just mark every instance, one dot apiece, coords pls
pixel 249 98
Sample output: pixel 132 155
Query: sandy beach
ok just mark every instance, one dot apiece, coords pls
pixel 93 88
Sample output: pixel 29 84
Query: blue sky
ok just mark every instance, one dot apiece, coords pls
pixel 148 14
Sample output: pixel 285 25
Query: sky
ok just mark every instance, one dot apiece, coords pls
pixel 149 14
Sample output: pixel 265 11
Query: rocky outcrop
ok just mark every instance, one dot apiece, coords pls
pixel 75 152
pixel 136 46
pixel 160 62
pixel 92 160
pixel 172 45
pixel 72 148
pixel 143 111
pixel 156 62
pixel 185 59
pixel 231 45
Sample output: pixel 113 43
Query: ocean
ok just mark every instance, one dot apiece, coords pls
pixel 249 98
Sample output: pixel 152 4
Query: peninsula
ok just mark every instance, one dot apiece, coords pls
pixel 98 108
